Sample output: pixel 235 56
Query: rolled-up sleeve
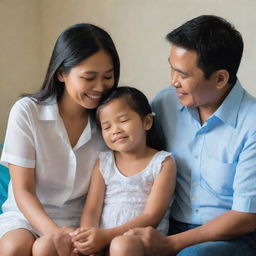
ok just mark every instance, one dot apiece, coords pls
pixel 19 146
pixel 244 185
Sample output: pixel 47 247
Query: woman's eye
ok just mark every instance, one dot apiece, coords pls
pixel 88 78
pixel 108 77
pixel 105 128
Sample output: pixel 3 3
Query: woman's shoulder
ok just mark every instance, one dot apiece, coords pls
pixel 29 106
pixel 22 106
pixel 25 103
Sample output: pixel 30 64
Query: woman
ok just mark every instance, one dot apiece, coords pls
pixel 52 142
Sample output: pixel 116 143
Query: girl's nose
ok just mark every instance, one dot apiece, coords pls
pixel 116 129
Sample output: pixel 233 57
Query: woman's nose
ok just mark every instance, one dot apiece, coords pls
pixel 99 85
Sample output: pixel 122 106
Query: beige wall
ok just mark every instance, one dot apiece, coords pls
pixel 138 28
pixel 20 62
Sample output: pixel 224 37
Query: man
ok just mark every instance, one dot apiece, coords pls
pixel 209 123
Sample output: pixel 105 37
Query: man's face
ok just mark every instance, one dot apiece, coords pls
pixel 192 89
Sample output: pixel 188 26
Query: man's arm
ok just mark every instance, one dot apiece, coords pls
pixel 227 226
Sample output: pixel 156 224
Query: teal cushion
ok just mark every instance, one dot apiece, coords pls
pixel 4 181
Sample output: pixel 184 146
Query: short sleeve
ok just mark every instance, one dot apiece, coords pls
pixel 19 146
pixel 158 161
pixel 106 165
pixel 244 185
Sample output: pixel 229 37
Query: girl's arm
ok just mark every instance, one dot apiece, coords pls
pixel 23 182
pixel 94 202
pixel 155 208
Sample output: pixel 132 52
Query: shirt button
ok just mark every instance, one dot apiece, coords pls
pixel 193 198
pixel 194 184
pixel 197 210
pixel 196 157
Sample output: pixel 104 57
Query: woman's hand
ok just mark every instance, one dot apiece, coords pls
pixel 63 241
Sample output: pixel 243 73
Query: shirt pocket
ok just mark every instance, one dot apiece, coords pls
pixel 218 176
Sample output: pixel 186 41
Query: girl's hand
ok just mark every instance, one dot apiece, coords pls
pixel 90 241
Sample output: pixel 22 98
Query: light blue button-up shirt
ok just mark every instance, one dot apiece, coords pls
pixel 216 161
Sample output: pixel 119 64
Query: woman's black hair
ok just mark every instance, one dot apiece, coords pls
pixel 139 103
pixel 74 45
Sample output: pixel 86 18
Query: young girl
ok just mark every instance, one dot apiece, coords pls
pixel 132 185
pixel 52 142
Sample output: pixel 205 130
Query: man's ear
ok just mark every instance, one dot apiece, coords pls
pixel 148 122
pixel 222 77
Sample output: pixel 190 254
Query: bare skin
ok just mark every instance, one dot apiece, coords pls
pixel 63 243
pixel 10 245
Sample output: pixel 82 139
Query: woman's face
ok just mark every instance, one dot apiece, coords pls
pixel 86 83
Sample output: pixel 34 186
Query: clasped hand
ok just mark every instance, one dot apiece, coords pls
pixel 89 240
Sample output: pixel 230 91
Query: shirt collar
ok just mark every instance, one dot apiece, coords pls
pixel 49 110
pixel 229 108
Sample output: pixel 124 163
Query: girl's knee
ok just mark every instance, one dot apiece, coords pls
pixel 126 245
pixel 44 246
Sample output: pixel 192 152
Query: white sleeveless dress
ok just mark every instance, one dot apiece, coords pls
pixel 125 197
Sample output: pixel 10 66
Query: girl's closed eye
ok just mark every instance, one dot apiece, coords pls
pixel 105 127
pixel 124 120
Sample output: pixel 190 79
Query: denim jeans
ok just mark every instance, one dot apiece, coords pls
pixel 242 246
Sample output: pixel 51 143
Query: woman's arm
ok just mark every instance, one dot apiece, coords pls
pixel 23 182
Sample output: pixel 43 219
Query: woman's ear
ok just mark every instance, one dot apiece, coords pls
pixel 222 77
pixel 148 122
pixel 60 76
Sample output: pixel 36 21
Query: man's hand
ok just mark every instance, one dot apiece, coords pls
pixel 154 242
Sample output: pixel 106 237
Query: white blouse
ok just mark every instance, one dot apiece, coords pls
pixel 36 138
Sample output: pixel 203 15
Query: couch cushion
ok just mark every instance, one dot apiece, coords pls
pixel 4 181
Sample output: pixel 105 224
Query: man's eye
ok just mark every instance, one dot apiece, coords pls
pixel 106 128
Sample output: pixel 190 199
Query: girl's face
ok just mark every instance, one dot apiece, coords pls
pixel 123 129
pixel 86 82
